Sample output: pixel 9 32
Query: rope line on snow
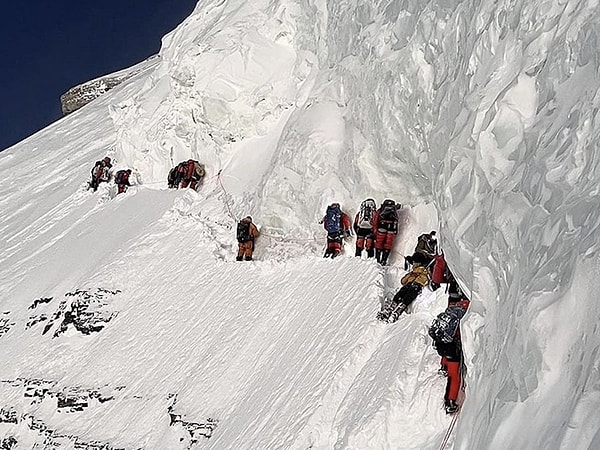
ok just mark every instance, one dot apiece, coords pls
pixel 271 236
pixel 227 196
pixel 450 430
pixel 287 239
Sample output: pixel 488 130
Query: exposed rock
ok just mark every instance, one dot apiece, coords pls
pixel 68 400
pixel 87 311
pixel 81 95
pixel 5 323
pixel 39 301
pixel 196 430
pixel 8 415
pixel 8 443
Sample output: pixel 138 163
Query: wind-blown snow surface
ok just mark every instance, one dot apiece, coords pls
pixel 481 115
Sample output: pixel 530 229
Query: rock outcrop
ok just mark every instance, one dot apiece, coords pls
pixel 81 95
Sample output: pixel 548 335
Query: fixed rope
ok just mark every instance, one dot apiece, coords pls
pixel 227 196
pixel 287 239
pixel 271 236
pixel 450 430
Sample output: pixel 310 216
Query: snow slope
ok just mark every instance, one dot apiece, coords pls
pixel 279 353
pixel 479 116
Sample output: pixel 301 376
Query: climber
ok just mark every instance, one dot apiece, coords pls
pixel 441 273
pixel 363 227
pixel 412 285
pixel 385 228
pixel 193 172
pixel 246 234
pixel 122 180
pixel 337 225
pixel 445 332
pixel 174 178
pixel 455 292
pixel 425 250
pixel 100 173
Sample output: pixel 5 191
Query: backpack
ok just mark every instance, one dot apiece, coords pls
pixel 426 243
pixel 439 274
pixel 119 177
pixel 388 220
pixel 172 175
pixel 333 219
pixel 366 213
pixel 243 231
pixel 444 326
pixel 98 169
pixel 200 171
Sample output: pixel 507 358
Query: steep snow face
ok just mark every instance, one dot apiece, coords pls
pixel 486 110
pixel 489 109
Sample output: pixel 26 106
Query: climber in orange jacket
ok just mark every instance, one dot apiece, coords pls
pixel 246 234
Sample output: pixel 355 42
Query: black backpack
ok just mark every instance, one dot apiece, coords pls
pixel 388 220
pixel 119 177
pixel 243 232
pixel 444 326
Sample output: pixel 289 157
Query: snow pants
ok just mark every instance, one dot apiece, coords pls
pixel 408 293
pixel 454 380
pixel 173 179
pixel 334 245
pixel 384 240
pixel 365 241
pixel 94 184
pixel 245 250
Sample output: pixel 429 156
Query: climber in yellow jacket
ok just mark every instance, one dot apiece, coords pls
pixel 412 286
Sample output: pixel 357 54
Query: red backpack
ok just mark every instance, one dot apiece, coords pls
pixel 439 273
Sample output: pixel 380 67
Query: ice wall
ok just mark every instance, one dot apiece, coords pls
pixel 489 107
pixel 493 106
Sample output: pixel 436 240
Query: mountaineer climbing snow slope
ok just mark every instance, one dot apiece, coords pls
pixel 129 323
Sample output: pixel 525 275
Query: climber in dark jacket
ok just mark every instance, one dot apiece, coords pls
pixel 425 250
pixel 122 180
pixel 449 347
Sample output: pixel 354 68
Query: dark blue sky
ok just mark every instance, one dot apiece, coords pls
pixel 49 46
